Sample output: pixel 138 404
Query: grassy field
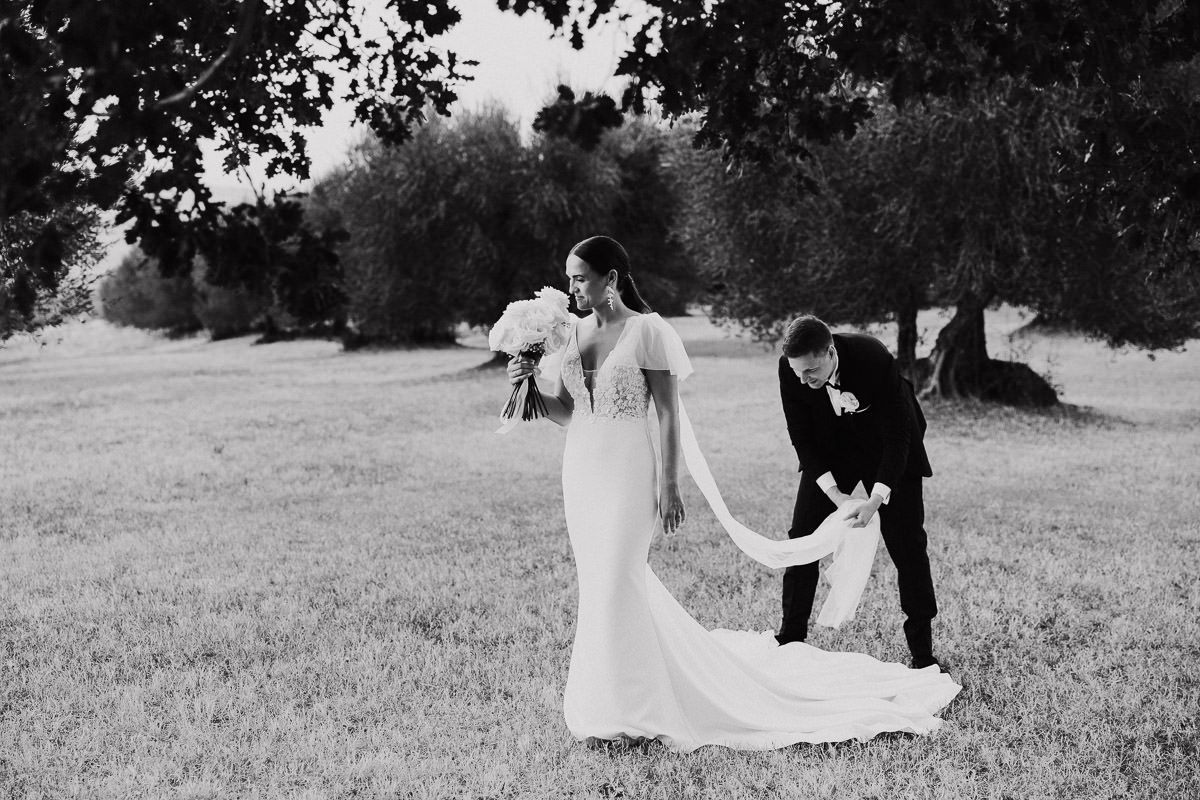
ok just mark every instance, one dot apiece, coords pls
pixel 286 571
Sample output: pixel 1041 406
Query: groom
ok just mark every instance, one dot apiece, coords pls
pixel 852 417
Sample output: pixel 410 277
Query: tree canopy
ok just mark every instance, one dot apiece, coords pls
pixel 1086 114
pixel 770 78
pixel 107 104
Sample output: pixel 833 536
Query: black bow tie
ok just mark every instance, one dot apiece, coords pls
pixel 834 385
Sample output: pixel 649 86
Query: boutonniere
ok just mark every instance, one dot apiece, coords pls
pixel 848 402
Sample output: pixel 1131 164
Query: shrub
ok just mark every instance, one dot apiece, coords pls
pixel 136 295
pixel 227 312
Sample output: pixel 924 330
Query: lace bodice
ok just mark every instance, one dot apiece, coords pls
pixel 619 390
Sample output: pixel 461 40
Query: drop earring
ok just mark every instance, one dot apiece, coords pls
pixel 610 294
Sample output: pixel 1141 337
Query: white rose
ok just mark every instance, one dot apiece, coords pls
pixel 555 298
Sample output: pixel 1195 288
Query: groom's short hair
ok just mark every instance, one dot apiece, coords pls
pixel 805 336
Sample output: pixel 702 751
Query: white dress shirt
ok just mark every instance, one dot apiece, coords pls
pixel 826 481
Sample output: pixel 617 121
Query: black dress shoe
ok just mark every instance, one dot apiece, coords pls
pixel 929 661
pixel 783 640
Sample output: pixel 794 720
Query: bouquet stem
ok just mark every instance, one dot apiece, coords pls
pixel 526 401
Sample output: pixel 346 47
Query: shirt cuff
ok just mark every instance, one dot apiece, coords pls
pixel 883 490
pixel 826 482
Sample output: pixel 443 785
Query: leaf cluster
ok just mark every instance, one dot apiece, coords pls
pixel 581 121
pixel 45 259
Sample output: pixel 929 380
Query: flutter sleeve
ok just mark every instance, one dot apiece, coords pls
pixel 659 347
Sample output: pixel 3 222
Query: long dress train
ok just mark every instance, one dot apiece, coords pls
pixel 640 665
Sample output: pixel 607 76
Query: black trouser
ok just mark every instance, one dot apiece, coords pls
pixel 902 522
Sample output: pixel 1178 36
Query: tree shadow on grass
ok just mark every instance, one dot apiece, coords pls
pixel 979 418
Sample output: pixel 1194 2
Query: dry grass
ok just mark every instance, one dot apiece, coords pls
pixel 286 571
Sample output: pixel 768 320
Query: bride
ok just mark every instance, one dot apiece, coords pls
pixel 641 667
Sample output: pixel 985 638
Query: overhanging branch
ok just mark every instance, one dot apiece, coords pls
pixel 245 26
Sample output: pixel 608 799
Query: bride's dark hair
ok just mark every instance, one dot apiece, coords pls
pixel 603 253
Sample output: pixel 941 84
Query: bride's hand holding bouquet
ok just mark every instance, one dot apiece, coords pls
pixel 527 331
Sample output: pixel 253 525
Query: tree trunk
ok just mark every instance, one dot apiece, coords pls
pixel 958 363
pixel 906 339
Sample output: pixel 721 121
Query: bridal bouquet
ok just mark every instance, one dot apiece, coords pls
pixel 530 329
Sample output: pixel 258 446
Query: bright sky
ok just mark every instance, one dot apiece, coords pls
pixel 520 65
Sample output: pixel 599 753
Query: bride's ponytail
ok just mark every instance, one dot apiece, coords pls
pixel 603 253
pixel 630 295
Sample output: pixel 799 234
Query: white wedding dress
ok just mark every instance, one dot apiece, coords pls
pixel 640 665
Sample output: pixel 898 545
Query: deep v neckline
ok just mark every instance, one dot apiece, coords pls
pixel 591 385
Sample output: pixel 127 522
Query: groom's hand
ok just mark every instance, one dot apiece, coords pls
pixel 860 513
pixel 837 497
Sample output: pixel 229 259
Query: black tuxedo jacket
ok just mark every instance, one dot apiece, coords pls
pixel 882 442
